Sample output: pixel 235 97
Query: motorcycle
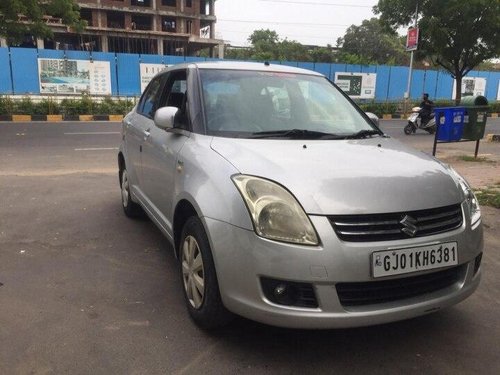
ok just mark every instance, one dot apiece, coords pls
pixel 415 122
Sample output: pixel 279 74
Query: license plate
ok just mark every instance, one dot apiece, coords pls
pixel 401 261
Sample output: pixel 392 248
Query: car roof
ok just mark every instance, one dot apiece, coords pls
pixel 238 65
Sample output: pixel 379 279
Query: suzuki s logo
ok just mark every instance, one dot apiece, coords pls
pixel 409 226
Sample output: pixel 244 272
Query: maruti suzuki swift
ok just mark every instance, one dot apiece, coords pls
pixel 287 205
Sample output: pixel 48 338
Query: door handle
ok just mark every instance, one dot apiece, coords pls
pixel 146 134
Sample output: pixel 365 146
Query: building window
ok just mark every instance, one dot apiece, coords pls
pixel 189 27
pixel 140 3
pixel 140 22
pixel 116 20
pixel 86 15
pixel 168 24
pixel 189 3
pixel 169 3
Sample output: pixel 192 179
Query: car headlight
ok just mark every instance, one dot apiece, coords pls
pixel 470 198
pixel 275 213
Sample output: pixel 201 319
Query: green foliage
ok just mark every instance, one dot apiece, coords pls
pixel 495 107
pixel 69 107
pixel 379 109
pixel 34 10
pixel 489 196
pixel 266 45
pixel 455 34
pixel 370 43
pixel 472 159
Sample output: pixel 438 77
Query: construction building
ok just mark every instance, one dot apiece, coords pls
pixel 165 27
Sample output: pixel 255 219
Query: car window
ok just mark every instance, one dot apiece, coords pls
pixel 175 95
pixel 242 102
pixel 148 104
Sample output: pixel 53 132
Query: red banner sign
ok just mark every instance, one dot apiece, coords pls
pixel 412 39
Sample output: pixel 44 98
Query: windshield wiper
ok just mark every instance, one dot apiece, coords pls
pixel 363 134
pixel 295 134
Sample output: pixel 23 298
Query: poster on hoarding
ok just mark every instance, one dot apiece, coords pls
pixel 470 86
pixel 148 71
pixel 357 85
pixel 68 77
pixel 412 39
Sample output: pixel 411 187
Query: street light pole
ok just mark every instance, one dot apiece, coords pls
pixel 410 73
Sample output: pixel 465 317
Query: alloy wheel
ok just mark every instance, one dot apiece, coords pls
pixel 193 274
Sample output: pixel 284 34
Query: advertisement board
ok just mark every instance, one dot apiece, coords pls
pixel 148 71
pixel 357 85
pixel 412 39
pixel 471 86
pixel 67 77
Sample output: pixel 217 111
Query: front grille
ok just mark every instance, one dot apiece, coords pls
pixel 373 292
pixel 396 226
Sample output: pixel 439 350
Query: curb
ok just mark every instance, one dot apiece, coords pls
pixel 493 137
pixel 399 116
pixel 59 118
pixel 119 118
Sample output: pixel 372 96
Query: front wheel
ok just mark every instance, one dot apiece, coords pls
pixel 199 280
pixel 409 128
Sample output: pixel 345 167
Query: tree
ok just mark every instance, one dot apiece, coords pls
pixel 265 44
pixel 370 43
pixel 455 34
pixel 33 23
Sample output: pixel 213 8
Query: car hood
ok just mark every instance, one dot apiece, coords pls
pixel 373 175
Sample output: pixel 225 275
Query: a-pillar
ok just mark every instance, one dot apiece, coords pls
pixel 104 43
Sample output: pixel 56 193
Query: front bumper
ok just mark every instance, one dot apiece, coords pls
pixel 242 258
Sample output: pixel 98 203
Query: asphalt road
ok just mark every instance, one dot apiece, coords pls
pixel 84 290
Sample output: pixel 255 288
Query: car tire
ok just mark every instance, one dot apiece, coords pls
pixel 131 209
pixel 199 279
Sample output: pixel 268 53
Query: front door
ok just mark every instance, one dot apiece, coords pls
pixel 161 150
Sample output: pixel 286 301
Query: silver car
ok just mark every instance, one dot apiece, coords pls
pixel 285 204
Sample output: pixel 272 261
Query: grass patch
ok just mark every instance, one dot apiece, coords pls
pixel 480 159
pixel 489 196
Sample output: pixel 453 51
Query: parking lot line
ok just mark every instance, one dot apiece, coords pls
pixel 96 149
pixel 91 133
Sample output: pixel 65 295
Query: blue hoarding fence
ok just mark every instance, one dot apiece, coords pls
pixel 19 73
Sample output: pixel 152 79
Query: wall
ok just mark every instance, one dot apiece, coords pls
pixel 19 73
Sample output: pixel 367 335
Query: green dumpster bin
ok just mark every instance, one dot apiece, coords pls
pixel 476 110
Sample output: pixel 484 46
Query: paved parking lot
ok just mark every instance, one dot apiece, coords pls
pixel 83 290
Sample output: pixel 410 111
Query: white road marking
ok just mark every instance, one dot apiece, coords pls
pixel 96 149
pixel 91 133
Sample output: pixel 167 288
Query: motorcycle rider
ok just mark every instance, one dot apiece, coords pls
pixel 426 109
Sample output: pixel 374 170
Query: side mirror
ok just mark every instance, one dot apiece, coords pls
pixel 164 117
pixel 373 117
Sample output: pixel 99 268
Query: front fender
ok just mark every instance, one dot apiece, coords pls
pixel 205 181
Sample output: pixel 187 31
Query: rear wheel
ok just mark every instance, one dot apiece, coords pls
pixel 199 280
pixel 409 128
pixel 131 209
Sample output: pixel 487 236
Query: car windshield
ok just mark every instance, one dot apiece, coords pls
pixel 255 104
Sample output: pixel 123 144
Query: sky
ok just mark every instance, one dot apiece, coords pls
pixel 315 22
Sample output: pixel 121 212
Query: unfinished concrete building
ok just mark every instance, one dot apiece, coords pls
pixel 165 27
